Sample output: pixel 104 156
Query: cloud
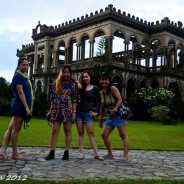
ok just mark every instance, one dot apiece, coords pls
pixel 19 17
pixel 10 42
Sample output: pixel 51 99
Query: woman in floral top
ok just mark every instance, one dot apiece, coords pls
pixel 63 98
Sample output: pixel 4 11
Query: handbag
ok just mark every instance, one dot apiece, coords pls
pixel 124 110
pixel 27 119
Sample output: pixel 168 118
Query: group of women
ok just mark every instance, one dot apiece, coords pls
pixel 71 101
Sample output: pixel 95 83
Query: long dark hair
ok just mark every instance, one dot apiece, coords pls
pixel 105 75
pixel 83 83
pixel 20 60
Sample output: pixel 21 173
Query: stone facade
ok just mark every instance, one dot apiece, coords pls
pixel 150 54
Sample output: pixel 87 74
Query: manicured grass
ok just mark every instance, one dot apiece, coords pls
pixel 142 135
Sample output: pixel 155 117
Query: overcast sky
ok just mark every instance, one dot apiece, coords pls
pixel 19 17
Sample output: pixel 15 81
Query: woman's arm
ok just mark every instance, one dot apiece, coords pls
pixel 23 98
pixel 75 93
pixel 74 105
pixel 102 111
pixel 50 110
pixel 117 95
pixel 97 99
pixel 77 82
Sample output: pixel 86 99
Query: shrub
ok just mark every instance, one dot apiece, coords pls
pixel 160 113
pixel 41 106
pixel 144 99
pixel 153 96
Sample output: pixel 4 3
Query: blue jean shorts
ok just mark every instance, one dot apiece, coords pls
pixel 115 121
pixel 84 117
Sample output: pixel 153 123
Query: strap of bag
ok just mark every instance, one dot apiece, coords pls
pixel 105 98
pixel 26 124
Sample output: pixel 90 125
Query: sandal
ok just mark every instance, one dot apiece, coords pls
pixel 108 156
pixel 4 158
pixel 81 156
pixel 99 158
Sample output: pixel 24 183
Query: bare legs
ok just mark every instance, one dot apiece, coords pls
pixel 53 140
pixel 6 140
pixel 80 129
pixel 12 135
pixel 54 137
pixel 68 139
pixel 68 134
pixel 17 123
pixel 123 134
pixel 105 135
pixel 90 131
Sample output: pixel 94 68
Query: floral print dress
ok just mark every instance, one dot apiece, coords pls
pixel 62 103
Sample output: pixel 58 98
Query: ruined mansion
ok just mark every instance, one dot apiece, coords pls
pixel 141 54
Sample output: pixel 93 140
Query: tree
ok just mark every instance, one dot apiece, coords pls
pixel 102 59
pixel 41 106
pixel 6 96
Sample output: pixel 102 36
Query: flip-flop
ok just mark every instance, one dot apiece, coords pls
pixel 4 158
pixel 99 158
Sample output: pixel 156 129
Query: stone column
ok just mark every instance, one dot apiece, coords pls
pixel 124 90
pixel 165 56
pixel 66 55
pixel 175 58
pixel 147 55
pixel 109 45
pixel 161 57
pixel 69 53
pixel 91 50
pixel 36 57
pixel 46 56
pixel 55 58
pixel 128 55
pixel 126 50
pixel 154 57
pixel 133 54
pixel 83 50
pixel 30 66
pixel 78 52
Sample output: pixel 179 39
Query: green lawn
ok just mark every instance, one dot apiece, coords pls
pixel 97 181
pixel 142 135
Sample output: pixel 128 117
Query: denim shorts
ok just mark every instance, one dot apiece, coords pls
pixel 84 117
pixel 115 121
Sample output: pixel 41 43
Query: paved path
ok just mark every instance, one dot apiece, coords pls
pixel 141 164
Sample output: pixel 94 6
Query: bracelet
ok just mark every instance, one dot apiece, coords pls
pixel 74 111
pixel 115 109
